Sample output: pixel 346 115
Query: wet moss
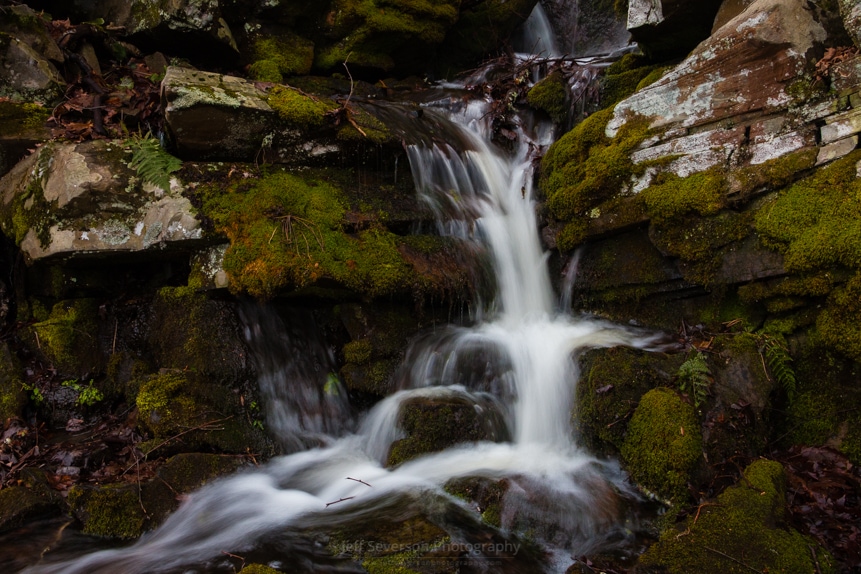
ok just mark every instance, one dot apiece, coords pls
pixel 68 337
pixel 827 391
pixel 432 426
pixel 773 174
pixel 663 446
pixel 745 530
pixel 112 511
pixel 358 352
pixel 166 406
pixel 278 56
pixel 617 86
pixel 299 110
pixel 585 168
pixel 672 196
pixel 258 569
pixel 373 377
pixel 551 96
pixel 611 390
pixel 286 232
pixel 816 222
pixel 23 119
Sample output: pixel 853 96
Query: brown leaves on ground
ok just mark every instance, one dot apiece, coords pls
pixel 824 497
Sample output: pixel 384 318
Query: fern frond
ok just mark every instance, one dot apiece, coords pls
pixel 152 162
pixel 778 361
pixel 694 378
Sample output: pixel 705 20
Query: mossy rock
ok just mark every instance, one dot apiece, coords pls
pixel 434 425
pixel 277 56
pixel 486 494
pixel 23 120
pixel 663 446
pixel 258 569
pixel 614 381
pixel 174 402
pixel 69 337
pixel 551 95
pixel 19 505
pixel 746 529
pixel 827 391
pixel 12 396
pixel 191 332
pixel 111 511
pixel 838 325
pixel 373 377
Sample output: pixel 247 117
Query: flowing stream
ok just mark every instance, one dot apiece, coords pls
pixel 516 366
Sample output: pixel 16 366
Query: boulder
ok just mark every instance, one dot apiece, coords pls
pixel 25 75
pixel 83 200
pixel 667 29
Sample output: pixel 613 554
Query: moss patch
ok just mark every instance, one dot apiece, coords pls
pixel 299 110
pixel 663 445
pixel 23 120
pixel 12 396
pixel 748 525
pixel 551 96
pixel 68 338
pixel 18 505
pixel 112 511
pixel 279 56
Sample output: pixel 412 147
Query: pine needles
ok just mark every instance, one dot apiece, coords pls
pixel 151 161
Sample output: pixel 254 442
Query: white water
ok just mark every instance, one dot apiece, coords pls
pixel 518 365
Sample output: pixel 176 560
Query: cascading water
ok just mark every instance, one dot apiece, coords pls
pixel 517 366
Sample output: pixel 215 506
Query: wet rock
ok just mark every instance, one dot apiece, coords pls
pixel 850 10
pixel 435 424
pixel 83 200
pixel 19 505
pixel 22 127
pixel 112 511
pixel 25 75
pixel 747 524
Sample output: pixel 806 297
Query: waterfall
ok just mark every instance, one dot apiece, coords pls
pixel 517 363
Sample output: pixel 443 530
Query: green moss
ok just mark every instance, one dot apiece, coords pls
pixel 12 396
pixel 745 530
pixel 112 511
pixel 839 324
pixel 615 381
pixel 373 130
pixel 653 76
pixel 258 569
pixel 69 337
pixel 276 57
pixel 572 235
pixel 28 208
pixel 166 406
pixel 585 168
pixel 672 196
pixel 373 377
pixel 551 96
pixel 773 174
pixel 663 445
pixel 816 222
pixel 23 119
pixel 358 351
pixel 827 395
pixel 286 232
pixel 617 87
pixel 299 110
pixel 432 426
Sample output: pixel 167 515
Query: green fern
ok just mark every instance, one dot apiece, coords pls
pixel 152 162
pixel 773 349
pixel 694 378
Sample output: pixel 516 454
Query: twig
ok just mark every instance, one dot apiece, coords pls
pixel 736 560
pixel 328 504
pixel 357 480
pixel 114 344
pixel 240 558
pixel 696 517
pixel 815 559
pixel 167 440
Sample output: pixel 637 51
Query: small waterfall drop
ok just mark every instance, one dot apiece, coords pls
pixel 517 365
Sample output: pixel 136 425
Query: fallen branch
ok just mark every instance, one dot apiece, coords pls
pixel 328 504
pixel 357 480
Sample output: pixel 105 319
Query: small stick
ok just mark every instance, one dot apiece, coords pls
pixel 357 480
pixel 737 561
pixel 341 500
pixel 114 344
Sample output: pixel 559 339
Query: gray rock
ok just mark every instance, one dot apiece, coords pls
pixel 25 76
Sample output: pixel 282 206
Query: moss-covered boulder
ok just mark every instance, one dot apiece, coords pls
pixel 663 445
pixel 551 95
pixel 22 126
pixel 68 337
pixel 182 411
pixel 613 382
pixel 435 424
pixel 745 529
pixel 280 55
pixel 112 511
pixel 19 505
pixel 25 75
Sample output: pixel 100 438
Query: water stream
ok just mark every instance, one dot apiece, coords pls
pixel 517 365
